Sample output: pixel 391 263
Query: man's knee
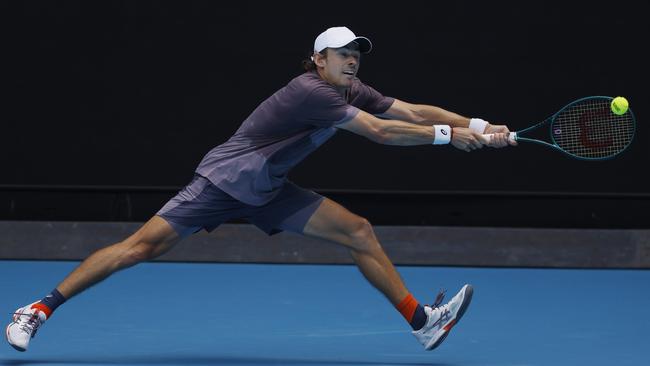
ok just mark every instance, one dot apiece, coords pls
pixel 141 251
pixel 137 250
pixel 362 235
pixel 152 240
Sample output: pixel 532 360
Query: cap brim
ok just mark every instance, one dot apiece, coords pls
pixel 365 46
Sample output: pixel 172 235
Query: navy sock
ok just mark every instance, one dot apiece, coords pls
pixel 53 300
pixel 419 318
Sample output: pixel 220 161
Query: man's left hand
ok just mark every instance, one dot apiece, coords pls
pixel 500 137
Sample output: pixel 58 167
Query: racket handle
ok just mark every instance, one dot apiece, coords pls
pixel 512 137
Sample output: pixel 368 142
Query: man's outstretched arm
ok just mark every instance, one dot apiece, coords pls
pixel 423 114
pixel 396 132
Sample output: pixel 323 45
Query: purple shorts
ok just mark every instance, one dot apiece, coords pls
pixel 202 205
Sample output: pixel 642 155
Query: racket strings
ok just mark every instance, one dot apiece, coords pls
pixel 589 129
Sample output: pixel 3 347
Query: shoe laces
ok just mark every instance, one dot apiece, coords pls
pixel 443 309
pixel 438 300
pixel 30 326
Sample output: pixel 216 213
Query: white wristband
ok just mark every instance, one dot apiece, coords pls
pixel 478 125
pixel 443 134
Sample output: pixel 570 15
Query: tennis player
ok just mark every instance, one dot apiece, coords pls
pixel 246 177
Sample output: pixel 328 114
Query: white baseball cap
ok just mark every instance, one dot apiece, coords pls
pixel 336 37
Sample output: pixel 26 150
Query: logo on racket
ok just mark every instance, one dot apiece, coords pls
pixel 591 123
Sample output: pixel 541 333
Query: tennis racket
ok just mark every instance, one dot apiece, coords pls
pixel 585 129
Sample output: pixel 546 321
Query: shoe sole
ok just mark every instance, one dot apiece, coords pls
pixel 447 328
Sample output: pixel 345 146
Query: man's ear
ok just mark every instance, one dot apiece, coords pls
pixel 319 59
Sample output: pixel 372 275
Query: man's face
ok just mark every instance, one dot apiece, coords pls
pixel 340 66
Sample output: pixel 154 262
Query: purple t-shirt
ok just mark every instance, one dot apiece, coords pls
pixel 253 164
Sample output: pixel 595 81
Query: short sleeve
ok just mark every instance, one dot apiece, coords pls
pixel 368 99
pixel 324 107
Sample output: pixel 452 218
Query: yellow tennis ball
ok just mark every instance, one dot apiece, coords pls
pixel 619 105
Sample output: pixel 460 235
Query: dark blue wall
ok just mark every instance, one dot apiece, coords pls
pixel 135 92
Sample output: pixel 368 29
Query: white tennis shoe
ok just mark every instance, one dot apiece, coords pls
pixel 440 319
pixel 22 329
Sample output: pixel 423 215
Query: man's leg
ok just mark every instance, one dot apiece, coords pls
pixel 335 223
pixel 152 240
pixel 431 324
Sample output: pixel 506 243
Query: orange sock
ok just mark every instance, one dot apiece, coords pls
pixel 407 307
pixel 413 312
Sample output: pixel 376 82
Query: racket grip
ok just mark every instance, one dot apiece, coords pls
pixel 512 137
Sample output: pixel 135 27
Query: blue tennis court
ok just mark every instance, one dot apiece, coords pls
pixel 248 314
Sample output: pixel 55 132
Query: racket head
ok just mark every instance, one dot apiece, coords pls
pixel 588 129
